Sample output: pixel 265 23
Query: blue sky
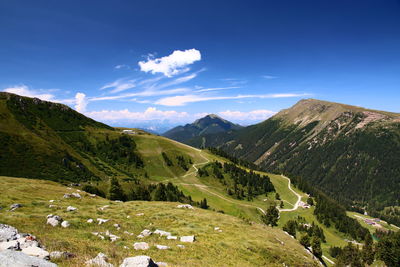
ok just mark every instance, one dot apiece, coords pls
pixel 162 63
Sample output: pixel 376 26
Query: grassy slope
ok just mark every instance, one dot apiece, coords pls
pixel 240 244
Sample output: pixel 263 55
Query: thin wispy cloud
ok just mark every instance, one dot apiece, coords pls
pixel 171 65
pixel 183 100
pixel 122 66
pixel 269 77
pixel 216 89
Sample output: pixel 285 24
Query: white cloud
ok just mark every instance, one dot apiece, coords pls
pixel 150 114
pixel 171 65
pixel 80 102
pixel 120 85
pixel 182 100
pixel 121 66
pixel 25 91
pixel 145 93
pixel 217 89
pixel 246 117
pixel 269 77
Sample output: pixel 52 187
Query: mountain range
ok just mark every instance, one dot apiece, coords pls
pixel 349 152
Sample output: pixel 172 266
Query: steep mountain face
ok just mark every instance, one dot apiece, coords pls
pixel 41 139
pixel 210 124
pixel 349 152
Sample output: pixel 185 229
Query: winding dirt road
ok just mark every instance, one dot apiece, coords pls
pixel 296 205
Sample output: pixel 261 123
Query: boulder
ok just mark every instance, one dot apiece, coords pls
pixel 188 239
pixel 19 259
pixel 51 200
pixel 65 224
pixel 15 206
pixel 76 195
pixel 138 261
pixel 89 221
pixel 70 208
pixel 161 247
pixel 162 233
pixel 172 237
pixel 141 246
pixel 53 221
pixel 7 232
pixel 36 251
pixel 145 233
pixel 13 245
pixel 101 221
pixel 100 260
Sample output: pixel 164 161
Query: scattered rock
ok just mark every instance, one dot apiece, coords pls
pixel 128 217
pixel 185 206
pixel 162 233
pixel 145 233
pixel 118 201
pixel 36 251
pixel 104 207
pixel 56 255
pixel 140 214
pixel 92 195
pixel 138 261
pixel 52 206
pixel 100 260
pixel 89 221
pixel 51 201
pixel 53 220
pixel 16 258
pixel 160 263
pixel 180 246
pixel 216 228
pixel 67 195
pixel 101 221
pixel 65 224
pixel 15 206
pixel 172 237
pixel 7 232
pixel 189 238
pixel 70 208
pixel 76 195
pixel 162 247
pixel 141 246
pixel 116 225
pixel 128 233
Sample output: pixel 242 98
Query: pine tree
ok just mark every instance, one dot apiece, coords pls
pixel 271 216
pixel 159 193
pixel 305 241
pixel 281 204
pixel 277 196
pixel 115 192
pixel 203 204
pixel 368 253
pixel 316 247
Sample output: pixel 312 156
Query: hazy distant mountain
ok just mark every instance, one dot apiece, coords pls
pixel 209 124
pixel 350 152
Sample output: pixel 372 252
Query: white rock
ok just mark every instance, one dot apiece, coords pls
pixel 100 260
pixel 162 233
pixel 146 232
pixel 89 221
pixel 189 238
pixel 67 195
pixel 104 207
pixel 7 232
pixel 128 217
pixel 65 224
pixel 162 247
pixel 76 195
pixel 16 258
pixel 180 246
pixel 216 228
pixel 101 221
pixel 55 255
pixel 53 221
pixel 13 244
pixel 160 263
pixel 51 201
pixel 52 206
pixel 141 246
pixel 116 225
pixel 36 251
pixel 70 208
pixel 140 214
pixel 138 261
pixel 172 237
pixel 185 206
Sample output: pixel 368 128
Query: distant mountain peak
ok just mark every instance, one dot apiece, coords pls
pixel 209 124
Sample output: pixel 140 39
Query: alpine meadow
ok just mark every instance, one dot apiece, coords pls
pixel 200 133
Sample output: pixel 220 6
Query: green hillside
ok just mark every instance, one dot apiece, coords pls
pixel 349 152
pixel 237 244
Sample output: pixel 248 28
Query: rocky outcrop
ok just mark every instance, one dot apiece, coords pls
pixel 18 259
pixel 141 246
pixel 100 261
pixel 138 261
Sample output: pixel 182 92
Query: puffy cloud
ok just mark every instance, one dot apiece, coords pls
pixel 150 114
pixel 25 91
pixel 246 117
pixel 171 65
pixel 80 102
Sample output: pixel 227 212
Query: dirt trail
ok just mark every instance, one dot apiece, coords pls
pixel 296 205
